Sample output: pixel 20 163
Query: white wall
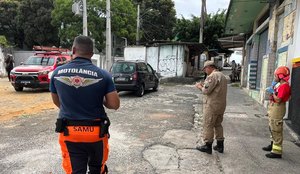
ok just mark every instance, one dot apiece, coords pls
pixel 294 50
pixel 168 60
pixel 152 57
pixel 2 67
pixel 97 61
pixel 171 61
pixel 135 53
pixel 181 65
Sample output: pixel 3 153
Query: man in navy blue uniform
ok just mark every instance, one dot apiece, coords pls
pixel 81 90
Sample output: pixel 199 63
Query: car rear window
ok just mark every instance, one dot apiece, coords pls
pixel 123 67
pixel 35 60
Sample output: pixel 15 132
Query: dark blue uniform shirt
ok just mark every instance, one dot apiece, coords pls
pixel 81 87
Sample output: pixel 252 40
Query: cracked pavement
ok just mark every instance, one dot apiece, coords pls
pixel 156 134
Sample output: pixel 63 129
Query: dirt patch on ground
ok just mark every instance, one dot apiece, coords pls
pixel 25 103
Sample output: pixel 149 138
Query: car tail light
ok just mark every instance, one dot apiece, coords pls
pixel 135 76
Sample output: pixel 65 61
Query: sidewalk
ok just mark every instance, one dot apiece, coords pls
pixel 246 131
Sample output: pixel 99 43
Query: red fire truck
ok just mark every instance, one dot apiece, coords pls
pixel 34 72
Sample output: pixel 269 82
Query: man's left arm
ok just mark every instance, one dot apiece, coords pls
pixel 55 99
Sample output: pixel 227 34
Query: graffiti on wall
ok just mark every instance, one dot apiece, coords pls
pixel 167 60
pixel 170 66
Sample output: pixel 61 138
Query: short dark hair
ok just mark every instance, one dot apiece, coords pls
pixel 83 44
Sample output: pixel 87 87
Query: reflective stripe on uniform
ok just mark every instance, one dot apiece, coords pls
pixel 276 149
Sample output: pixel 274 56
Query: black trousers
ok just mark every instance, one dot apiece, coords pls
pixel 85 154
pixel 8 70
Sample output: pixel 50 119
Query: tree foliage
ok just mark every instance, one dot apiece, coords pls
pixel 188 29
pixel 67 23
pixel 122 20
pixel 52 22
pixel 214 29
pixel 35 21
pixel 157 19
pixel 3 41
pixel 9 26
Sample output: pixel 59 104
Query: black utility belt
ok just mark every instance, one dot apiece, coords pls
pixel 62 125
pixel 83 122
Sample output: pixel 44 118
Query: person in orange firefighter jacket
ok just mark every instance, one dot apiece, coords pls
pixel 280 92
pixel 81 90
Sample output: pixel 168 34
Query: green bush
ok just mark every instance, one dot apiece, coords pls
pixel 3 41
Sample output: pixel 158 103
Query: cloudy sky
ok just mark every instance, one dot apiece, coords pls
pixel 186 8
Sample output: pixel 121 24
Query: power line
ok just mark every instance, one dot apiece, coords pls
pixel 158 28
pixel 145 31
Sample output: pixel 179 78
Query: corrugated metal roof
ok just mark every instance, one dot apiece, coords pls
pixel 232 41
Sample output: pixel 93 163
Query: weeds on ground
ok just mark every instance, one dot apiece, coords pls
pixel 235 85
pixel 25 116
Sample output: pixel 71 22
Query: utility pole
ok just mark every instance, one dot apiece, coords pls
pixel 85 31
pixel 108 36
pixel 202 20
pixel 138 26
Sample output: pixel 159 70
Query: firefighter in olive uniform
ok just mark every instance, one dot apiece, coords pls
pixel 280 93
pixel 214 89
pixel 81 90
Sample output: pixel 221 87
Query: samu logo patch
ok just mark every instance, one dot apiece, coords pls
pixel 77 81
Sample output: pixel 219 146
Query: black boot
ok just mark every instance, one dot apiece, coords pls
pixel 273 155
pixel 205 148
pixel 268 148
pixel 220 146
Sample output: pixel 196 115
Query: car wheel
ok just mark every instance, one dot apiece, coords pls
pixel 155 86
pixel 140 92
pixel 19 88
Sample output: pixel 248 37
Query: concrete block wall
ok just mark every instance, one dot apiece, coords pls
pixel 21 56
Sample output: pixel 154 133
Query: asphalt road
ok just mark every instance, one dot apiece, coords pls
pixel 154 134
pixel 29 145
